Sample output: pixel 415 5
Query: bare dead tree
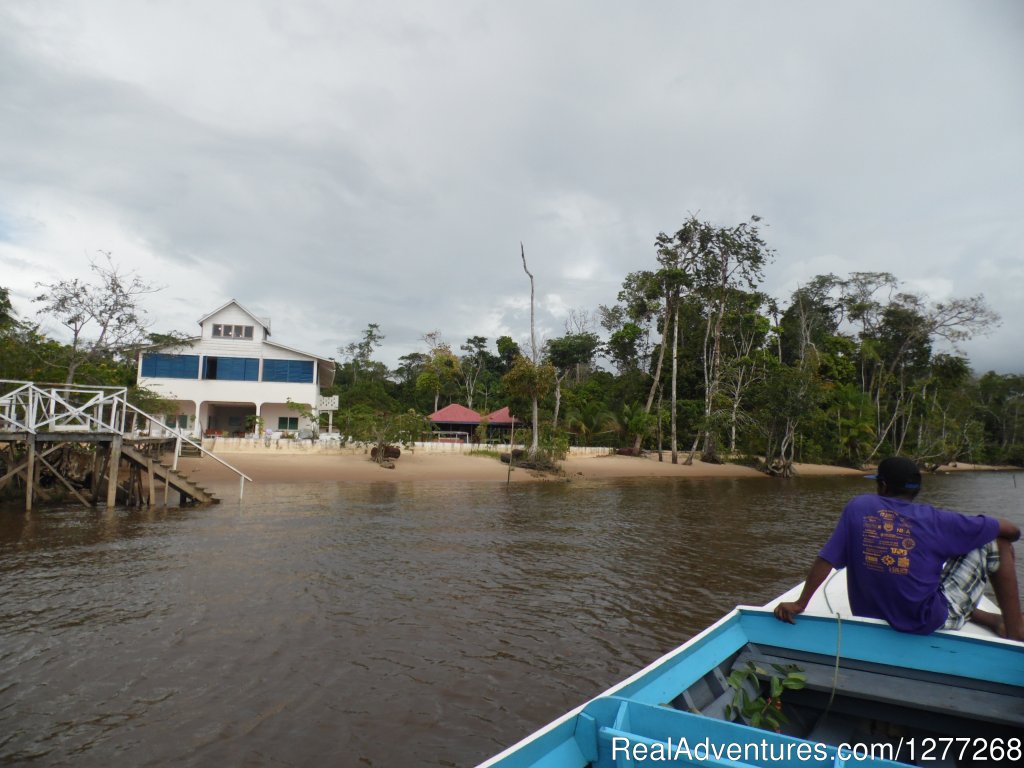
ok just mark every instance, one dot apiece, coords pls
pixel 535 444
pixel 104 316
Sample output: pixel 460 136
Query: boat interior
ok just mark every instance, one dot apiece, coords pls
pixel 868 703
pixel 938 700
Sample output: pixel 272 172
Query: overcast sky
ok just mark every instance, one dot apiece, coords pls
pixel 332 164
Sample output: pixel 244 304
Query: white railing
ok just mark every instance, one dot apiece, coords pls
pixel 33 408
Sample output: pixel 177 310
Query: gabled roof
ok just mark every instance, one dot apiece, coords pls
pixel 263 322
pixel 298 351
pixel 455 414
pixel 501 417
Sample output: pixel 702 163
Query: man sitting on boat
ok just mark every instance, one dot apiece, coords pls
pixel 917 567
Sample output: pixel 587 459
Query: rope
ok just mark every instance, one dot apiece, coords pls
pixel 839 645
pixel 835 674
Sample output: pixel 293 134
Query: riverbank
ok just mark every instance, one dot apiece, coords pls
pixel 319 468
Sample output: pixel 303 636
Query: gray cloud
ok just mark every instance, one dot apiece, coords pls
pixel 334 165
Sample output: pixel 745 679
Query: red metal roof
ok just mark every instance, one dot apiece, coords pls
pixel 455 414
pixel 501 417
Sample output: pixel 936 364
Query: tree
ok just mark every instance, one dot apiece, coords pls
pixel 411 366
pixel 634 422
pixel 812 317
pixel 441 369
pixel 530 381
pixel 306 412
pixel 744 367
pixel 646 298
pixel 508 351
pixel 998 404
pixel 590 419
pixel 727 261
pixel 472 365
pixel 896 340
pixel 566 354
pixel 788 395
pixel 104 317
pixel 7 317
pixel 382 429
pixel 676 257
pixel 360 352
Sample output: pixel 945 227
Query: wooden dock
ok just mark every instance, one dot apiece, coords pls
pixel 91 444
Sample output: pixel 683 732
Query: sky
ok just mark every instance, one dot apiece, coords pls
pixel 334 164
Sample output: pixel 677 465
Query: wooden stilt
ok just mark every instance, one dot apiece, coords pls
pixel 113 467
pixel 103 461
pixel 97 474
pixel 140 492
pixel 152 484
pixel 30 471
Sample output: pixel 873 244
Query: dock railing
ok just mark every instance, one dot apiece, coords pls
pixel 31 408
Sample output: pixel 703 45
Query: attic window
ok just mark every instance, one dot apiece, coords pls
pixel 232 331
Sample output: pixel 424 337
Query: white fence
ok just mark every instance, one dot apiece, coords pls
pixel 274 445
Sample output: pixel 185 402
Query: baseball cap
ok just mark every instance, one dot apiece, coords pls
pixel 899 473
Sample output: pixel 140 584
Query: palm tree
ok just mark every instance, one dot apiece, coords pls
pixel 634 423
pixel 588 420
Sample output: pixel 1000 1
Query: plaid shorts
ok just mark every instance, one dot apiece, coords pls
pixel 963 582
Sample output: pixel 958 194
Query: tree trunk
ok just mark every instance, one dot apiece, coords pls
pixel 657 377
pixel 558 399
pixel 675 376
pixel 534 443
pixel 713 379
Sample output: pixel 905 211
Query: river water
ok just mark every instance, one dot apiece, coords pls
pixel 381 624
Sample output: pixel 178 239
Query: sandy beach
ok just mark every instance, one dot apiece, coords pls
pixel 315 468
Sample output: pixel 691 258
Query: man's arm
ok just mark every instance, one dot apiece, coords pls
pixel 1008 530
pixel 820 570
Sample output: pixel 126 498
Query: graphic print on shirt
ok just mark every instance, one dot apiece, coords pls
pixel 888 541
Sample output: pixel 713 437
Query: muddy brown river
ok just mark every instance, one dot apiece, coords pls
pixel 382 624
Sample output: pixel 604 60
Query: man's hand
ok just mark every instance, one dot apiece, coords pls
pixel 788 611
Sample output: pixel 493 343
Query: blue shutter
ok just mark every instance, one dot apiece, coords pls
pixel 274 370
pixel 233 368
pixel 163 366
pixel 291 371
pixel 301 371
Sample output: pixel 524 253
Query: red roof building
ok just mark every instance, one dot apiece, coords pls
pixel 455 414
pixel 501 418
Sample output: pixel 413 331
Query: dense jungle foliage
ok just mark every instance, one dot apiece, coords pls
pixel 692 357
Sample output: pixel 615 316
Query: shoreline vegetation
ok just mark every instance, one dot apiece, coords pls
pixel 299 469
pixel 693 357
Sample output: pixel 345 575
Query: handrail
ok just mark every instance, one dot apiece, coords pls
pixel 65 385
pixel 193 443
pixel 101 396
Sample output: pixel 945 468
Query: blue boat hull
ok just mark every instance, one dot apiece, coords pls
pixel 950 678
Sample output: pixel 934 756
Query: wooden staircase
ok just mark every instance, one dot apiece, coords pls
pixel 190 451
pixel 188 489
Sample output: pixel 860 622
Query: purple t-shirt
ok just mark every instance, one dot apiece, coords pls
pixel 894 551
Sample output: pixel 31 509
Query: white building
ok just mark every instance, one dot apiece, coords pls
pixel 232 373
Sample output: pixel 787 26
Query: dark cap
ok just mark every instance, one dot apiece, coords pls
pixel 899 473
